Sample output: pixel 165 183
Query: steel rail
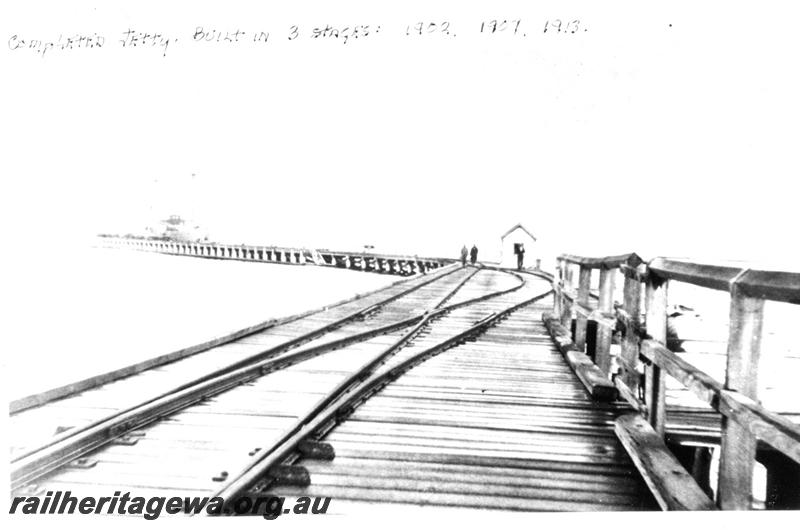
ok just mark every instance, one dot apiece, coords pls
pixel 42 398
pixel 341 399
pixel 265 354
pixel 75 444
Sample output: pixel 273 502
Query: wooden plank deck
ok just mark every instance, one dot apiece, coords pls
pixel 510 419
pixel 501 422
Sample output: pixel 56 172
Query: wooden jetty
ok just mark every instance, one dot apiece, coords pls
pixel 361 261
pixel 465 387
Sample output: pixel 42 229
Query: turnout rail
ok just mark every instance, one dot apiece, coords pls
pixel 458 388
pixel 77 405
pixel 215 409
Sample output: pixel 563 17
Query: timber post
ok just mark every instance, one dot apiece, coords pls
pixel 582 300
pixel 655 380
pixel 602 354
pixel 738 448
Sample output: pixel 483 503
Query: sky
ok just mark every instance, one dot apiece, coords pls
pixel 669 128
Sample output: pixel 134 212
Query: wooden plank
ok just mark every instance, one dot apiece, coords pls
pixel 537 447
pixel 543 502
pixel 632 295
pixel 604 333
pixel 607 321
pixel 772 285
pixel 565 314
pixel 584 310
pixel 608 262
pixel 671 485
pixel 655 382
pixel 595 382
pixel 710 276
pixel 638 273
pixel 584 283
pixel 772 428
pixel 492 432
pixel 598 469
pixel 590 481
pixel 744 343
pixel 558 280
pixel 738 448
pixel 702 385
pixel 558 425
pixel 626 321
pixel 630 396
pixel 543 489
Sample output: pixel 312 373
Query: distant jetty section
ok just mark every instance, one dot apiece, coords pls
pixel 361 261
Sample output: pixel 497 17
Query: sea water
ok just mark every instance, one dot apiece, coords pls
pixel 93 310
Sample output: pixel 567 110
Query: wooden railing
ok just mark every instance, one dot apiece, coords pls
pixel 639 371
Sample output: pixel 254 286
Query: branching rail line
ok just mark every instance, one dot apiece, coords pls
pixel 490 417
pixel 333 328
pixel 357 388
pixel 455 389
pixel 243 377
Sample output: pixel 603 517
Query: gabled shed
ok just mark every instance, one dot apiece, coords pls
pixel 516 238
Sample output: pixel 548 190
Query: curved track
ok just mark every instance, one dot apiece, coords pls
pixel 499 422
pixel 184 426
pixel 36 427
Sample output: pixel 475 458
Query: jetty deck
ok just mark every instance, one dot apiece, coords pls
pixel 459 387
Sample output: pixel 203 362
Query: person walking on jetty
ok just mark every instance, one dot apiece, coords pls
pixel 473 254
pixel 464 253
pixel 519 250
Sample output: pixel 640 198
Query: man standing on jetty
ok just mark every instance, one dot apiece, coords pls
pixel 464 256
pixel 473 254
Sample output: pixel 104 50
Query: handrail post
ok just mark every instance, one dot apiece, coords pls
pixel 655 379
pixel 604 333
pixel 738 447
pixel 584 284
pixel 566 304
pixel 558 286
pixel 632 301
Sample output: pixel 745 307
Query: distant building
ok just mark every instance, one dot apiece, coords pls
pixel 175 228
pixel 510 243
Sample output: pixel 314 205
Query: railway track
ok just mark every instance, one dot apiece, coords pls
pixel 494 422
pixel 35 427
pixel 265 380
pixel 444 391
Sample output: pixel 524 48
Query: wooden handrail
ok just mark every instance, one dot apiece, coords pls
pixel 702 385
pixel 608 262
pixel 640 372
pixel 774 429
pixel 771 285
pixel 768 426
